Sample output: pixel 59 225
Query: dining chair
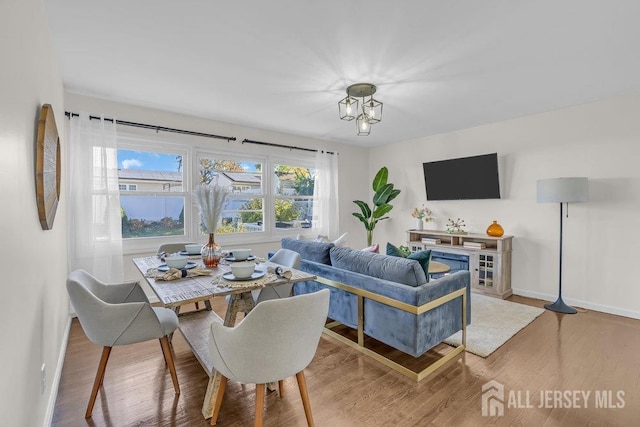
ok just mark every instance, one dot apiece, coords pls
pixel 119 314
pixel 173 247
pixel 285 258
pixel 277 339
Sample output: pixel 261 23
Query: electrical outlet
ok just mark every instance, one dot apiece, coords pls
pixel 43 378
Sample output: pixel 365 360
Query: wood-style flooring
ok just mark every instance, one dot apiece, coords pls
pixel 555 355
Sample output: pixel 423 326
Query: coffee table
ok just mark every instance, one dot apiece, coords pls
pixel 195 325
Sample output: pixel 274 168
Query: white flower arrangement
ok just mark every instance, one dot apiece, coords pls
pixel 210 200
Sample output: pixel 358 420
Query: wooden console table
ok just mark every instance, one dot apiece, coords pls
pixel 489 264
pixel 195 326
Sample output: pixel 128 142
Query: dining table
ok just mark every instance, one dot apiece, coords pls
pixel 195 325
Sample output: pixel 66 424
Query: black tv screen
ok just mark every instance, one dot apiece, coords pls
pixel 464 178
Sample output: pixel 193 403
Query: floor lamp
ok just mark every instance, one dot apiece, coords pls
pixel 562 190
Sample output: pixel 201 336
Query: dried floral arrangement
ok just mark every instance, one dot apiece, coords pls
pixel 210 199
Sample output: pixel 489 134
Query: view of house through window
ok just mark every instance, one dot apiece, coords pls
pixel 243 211
pixel 151 194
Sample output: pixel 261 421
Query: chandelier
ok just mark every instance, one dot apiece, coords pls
pixel 361 94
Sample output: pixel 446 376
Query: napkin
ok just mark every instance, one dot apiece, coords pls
pixel 174 273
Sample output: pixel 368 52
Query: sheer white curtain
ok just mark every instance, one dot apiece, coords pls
pixel 325 192
pixel 95 233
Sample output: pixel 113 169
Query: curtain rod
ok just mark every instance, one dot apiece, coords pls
pixel 156 128
pixel 290 147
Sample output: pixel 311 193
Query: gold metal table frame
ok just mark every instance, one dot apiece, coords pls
pixel 416 310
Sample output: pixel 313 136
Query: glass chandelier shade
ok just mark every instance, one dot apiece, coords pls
pixel 363 125
pixel 359 104
pixel 348 108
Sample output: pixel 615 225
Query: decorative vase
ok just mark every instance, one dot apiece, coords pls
pixel 495 230
pixel 211 253
pixel 418 224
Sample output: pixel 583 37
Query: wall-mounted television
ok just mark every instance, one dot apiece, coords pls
pixel 473 177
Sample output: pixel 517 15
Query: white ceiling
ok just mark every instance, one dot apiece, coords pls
pixel 283 65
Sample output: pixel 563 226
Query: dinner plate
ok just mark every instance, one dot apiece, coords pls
pixel 185 253
pixel 232 259
pixel 256 275
pixel 165 267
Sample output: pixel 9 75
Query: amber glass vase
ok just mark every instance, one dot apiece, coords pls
pixel 495 230
pixel 211 253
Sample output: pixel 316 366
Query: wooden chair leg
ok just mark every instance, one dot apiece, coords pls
pixel 302 385
pixel 219 397
pixel 166 350
pixel 281 387
pixel 106 351
pixel 259 404
pixel 163 355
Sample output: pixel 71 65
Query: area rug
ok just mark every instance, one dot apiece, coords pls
pixel 493 323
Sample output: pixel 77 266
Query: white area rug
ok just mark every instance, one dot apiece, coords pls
pixel 493 322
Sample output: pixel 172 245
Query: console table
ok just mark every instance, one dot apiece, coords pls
pixel 489 257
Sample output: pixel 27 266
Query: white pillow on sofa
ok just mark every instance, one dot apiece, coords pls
pixel 341 241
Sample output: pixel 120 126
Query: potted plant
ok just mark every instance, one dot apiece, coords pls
pixel 422 214
pixel 384 193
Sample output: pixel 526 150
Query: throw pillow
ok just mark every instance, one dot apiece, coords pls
pixel 373 248
pixel 342 241
pixel 422 257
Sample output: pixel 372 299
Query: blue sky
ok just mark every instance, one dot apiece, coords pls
pixel 143 160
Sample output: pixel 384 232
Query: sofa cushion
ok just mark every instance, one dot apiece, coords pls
pixel 310 251
pixel 422 257
pixel 394 269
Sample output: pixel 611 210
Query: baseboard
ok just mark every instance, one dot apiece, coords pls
pixel 48 418
pixel 578 303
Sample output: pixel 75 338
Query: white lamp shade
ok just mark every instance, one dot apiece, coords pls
pixel 563 190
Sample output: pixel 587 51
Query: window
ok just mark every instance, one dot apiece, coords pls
pixel 157 208
pixel 244 209
pixel 293 195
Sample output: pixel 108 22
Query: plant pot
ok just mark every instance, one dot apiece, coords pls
pixel 419 224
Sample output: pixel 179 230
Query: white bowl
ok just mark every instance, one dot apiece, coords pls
pixel 176 261
pixel 242 270
pixel 241 254
pixel 193 249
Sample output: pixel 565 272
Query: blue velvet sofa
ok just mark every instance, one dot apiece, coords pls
pixel 351 274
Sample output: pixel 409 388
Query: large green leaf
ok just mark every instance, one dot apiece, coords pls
pixel 393 195
pixel 364 207
pixel 380 179
pixel 382 210
pixel 364 220
pixel 382 195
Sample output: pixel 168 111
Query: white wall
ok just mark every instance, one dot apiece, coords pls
pixel 600 141
pixel 352 160
pixel 33 262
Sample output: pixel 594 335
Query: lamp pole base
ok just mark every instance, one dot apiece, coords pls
pixel 560 307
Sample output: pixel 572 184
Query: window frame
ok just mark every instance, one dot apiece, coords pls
pixel 191 154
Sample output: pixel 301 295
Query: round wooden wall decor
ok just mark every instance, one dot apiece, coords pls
pixel 47 167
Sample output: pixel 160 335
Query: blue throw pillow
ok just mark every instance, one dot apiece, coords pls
pixel 422 257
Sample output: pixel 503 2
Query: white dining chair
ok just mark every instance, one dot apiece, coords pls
pixel 276 340
pixel 119 314
pixel 170 248
pixel 285 258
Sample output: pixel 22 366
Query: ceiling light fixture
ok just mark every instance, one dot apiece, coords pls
pixel 371 112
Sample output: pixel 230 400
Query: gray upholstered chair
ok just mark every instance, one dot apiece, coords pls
pixel 277 339
pixel 173 247
pixel 285 258
pixel 119 314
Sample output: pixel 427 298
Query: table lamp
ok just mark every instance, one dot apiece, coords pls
pixel 562 190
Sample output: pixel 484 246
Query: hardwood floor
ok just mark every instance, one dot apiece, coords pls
pixel 590 352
